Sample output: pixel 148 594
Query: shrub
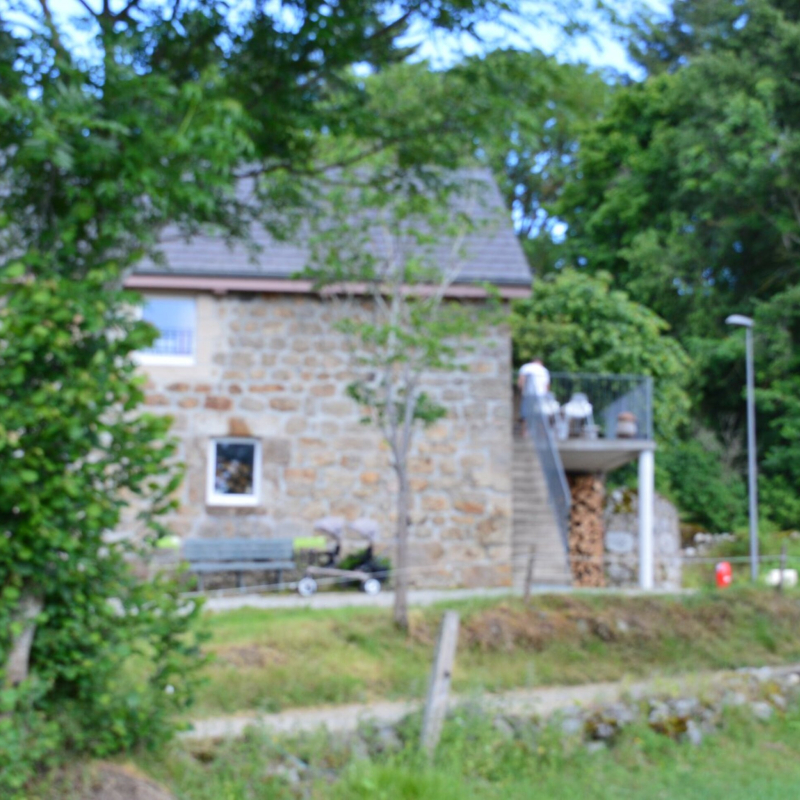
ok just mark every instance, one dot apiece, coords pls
pixel 28 738
pixel 112 657
pixel 701 487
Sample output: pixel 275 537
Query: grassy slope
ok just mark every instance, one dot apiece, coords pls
pixel 745 763
pixel 268 660
pixel 747 760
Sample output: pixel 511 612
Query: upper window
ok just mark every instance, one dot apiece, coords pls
pixel 176 320
pixel 234 472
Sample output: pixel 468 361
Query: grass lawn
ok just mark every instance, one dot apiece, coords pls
pixel 745 760
pixel 270 660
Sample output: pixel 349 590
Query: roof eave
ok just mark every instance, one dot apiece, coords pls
pixel 266 285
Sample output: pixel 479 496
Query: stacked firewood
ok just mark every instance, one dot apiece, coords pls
pixel 586 529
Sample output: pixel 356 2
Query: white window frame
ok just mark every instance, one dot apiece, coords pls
pixel 165 359
pixel 213 498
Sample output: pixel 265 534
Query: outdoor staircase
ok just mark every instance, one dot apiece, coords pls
pixel 534 523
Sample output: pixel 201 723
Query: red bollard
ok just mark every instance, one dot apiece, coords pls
pixel 724 574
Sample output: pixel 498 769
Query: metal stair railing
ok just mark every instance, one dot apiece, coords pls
pixel 541 435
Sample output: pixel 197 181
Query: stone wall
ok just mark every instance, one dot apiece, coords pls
pixel 273 367
pixel 622 541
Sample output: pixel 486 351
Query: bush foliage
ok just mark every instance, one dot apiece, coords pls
pixel 577 322
pixel 699 484
pixel 76 451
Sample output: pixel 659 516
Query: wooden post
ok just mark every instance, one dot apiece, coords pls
pixel 439 685
pixel 782 568
pixel 529 575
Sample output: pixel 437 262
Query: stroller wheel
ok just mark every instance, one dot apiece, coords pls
pixel 306 586
pixel 371 586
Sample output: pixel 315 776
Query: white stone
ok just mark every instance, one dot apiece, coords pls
pixel 620 542
pixel 762 710
pixel 789 577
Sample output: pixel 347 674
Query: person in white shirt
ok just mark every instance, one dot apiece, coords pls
pixel 534 378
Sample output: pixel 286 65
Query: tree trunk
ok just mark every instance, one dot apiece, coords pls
pixel 401 557
pixel 30 607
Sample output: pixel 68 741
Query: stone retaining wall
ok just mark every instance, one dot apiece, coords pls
pixel 272 367
pixel 622 541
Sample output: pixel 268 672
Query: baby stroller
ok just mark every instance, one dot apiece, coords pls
pixel 367 570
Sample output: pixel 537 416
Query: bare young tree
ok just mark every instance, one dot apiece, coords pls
pixel 388 257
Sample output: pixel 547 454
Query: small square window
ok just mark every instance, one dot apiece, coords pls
pixel 234 472
pixel 176 320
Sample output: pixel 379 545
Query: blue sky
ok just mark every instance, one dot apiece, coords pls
pixel 601 50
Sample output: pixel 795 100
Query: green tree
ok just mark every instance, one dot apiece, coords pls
pixel 685 190
pixel 153 121
pixel 529 111
pixel 695 473
pixel 184 115
pixel 686 193
pixel 578 323
pixel 400 249
pixel 778 398
pixel 518 113
pixel 74 449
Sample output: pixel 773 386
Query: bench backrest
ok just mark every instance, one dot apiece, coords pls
pixel 238 549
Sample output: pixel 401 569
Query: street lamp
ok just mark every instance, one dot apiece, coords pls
pixel 747 324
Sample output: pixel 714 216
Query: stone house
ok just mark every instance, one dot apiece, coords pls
pixel 254 375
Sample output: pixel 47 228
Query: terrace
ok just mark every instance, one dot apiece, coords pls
pixel 602 421
pixel 591 423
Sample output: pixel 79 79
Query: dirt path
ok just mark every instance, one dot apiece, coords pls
pixel 417 597
pixel 543 702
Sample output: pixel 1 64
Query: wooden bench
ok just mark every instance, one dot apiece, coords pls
pixel 238 555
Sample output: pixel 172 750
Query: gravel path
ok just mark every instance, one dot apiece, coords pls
pixel 543 702
pixel 422 597
pixel 417 597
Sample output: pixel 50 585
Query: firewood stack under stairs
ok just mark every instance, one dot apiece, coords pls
pixel 534 523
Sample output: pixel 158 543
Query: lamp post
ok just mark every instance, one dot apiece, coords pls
pixel 747 324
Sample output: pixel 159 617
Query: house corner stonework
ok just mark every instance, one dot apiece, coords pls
pixel 272 367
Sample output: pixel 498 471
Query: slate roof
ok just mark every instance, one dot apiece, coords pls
pixel 492 252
